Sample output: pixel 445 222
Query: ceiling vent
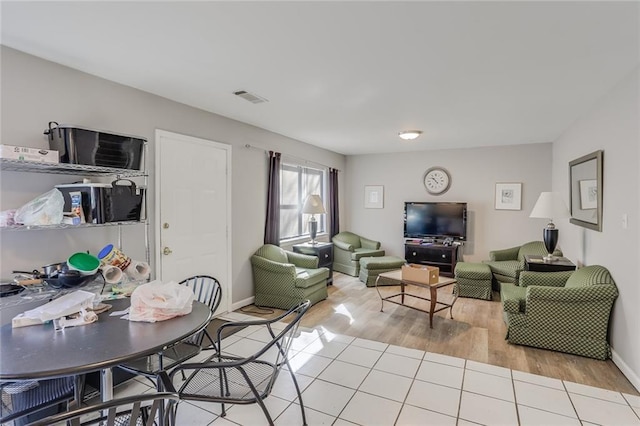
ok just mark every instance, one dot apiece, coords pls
pixel 254 99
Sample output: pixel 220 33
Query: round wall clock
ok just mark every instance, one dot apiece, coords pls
pixel 437 180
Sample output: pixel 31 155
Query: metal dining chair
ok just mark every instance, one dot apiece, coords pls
pixel 228 379
pixel 208 291
pixel 144 409
pixel 25 399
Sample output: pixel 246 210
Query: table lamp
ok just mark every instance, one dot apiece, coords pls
pixel 313 206
pixel 550 205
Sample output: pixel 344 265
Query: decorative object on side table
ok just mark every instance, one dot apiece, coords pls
pixel 313 206
pixel 508 196
pixel 550 205
pixel 324 253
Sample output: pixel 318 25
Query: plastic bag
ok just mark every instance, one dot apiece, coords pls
pixel 158 301
pixel 46 209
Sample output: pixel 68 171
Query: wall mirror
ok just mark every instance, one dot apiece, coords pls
pixel 585 180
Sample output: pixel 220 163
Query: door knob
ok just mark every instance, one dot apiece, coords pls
pixel 166 251
pixel 165 225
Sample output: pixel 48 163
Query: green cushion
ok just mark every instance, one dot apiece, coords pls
pixel 382 262
pixel 271 252
pixel 360 253
pixel 473 271
pixel 350 238
pixel 589 275
pixel 513 298
pixel 506 268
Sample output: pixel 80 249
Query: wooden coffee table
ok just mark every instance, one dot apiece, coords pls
pixel 433 289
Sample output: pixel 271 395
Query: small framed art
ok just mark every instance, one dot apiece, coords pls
pixel 508 196
pixel 373 197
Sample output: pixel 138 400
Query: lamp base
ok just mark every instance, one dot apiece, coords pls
pixel 550 237
pixel 313 230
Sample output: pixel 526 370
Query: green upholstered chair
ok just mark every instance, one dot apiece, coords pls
pixel 564 311
pixel 283 278
pixel 506 264
pixel 348 248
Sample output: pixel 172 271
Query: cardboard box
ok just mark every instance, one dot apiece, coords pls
pixel 420 273
pixel 29 154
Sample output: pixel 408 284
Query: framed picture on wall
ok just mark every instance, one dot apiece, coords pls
pixel 508 196
pixel 588 194
pixel 373 197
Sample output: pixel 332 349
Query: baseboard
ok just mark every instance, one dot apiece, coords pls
pixel 628 372
pixel 243 303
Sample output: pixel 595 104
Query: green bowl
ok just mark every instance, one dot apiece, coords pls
pixel 86 263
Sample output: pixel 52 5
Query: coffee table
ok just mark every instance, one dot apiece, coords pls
pixel 433 289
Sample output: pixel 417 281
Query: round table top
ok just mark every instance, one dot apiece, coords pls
pixel 39 351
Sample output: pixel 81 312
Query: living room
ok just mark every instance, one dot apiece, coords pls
pixel 36 91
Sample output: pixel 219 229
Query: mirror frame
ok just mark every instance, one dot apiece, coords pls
pixel 574 189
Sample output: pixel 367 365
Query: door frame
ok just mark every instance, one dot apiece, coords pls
pixel 227 290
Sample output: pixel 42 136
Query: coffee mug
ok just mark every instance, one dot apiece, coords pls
pixel 110 255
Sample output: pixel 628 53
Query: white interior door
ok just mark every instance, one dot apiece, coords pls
pixel 193 200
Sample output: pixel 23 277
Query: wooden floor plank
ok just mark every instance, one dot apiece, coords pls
pixel 476 332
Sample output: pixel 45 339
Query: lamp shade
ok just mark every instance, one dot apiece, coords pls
pixel 550 205
pixel 313 205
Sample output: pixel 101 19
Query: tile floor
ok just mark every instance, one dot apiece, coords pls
pixel 351 381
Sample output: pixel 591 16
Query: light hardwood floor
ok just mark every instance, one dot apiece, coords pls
pixel 476 332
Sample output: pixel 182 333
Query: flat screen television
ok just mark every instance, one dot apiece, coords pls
pixel 435 220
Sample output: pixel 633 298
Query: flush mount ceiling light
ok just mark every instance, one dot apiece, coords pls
pixel 409 135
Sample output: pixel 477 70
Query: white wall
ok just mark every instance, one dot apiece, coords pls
pixel 613 126
pixel 35 92
pixel 474 173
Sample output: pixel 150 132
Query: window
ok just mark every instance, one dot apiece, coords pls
pixel 297 182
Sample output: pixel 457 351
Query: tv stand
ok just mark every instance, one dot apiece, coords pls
pixel 439 255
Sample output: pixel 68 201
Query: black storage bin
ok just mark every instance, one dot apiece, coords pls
pixel 104 202
pixel 77 145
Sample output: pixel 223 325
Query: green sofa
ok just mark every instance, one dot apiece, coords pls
pixel 506 264
pixel 349 248
pixel 283 278
pixel 564 311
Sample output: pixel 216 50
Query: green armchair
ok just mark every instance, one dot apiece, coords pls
pixel 349 248
pixel 506 264
pixel 283 278
pixel 564 311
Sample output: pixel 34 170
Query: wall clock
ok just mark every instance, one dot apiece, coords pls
pixel 437 180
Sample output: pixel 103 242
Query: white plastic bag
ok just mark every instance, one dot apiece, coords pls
pixel 67 304
pixel 46 209
pixel 158 301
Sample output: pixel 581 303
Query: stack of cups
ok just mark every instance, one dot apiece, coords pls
pixel 116 263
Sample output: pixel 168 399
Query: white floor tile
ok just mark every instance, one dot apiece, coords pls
pixel 386 385
pixel 637 411
pixel 544 398
pixel 309 364
pixel 444 359
pixel 413 416
pixel 293 417
pixel 371 410
pixel 221 421
pixel 488 385
pixel 253 414
pixel 397 364
pixel 328 336
pixel 247 331
pixel 229 340
pixel 261 335
pixel 360 356
pixel 534 417
pixel 243 347
pixel 603 412
pixel 489 369
pixel 326 397
pixel 328 349
pixel 633 400
pixel 431 396
pixel 370 344
pixel 190 415
pixel 595 392
pixel 284 387
pixel 462 422
pixel 342 422
pixel 302 340
pixel 210 407
pixel 441 374
pixel 408 352
pixel 487 411
pixel 538 380
pixel 345 374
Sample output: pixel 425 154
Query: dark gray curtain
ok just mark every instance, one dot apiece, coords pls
pixel 272 222
pixel 334 214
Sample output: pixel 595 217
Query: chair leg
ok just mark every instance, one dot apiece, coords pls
pixel 295 383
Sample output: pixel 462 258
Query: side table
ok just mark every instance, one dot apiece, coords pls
pixel 536 263
pixel 324 252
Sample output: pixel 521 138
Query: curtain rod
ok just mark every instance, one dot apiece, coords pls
pixel 249 146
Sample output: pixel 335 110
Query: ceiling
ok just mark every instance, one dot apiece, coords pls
pixel 348 76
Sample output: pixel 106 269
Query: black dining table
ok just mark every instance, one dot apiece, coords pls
pixel 39 352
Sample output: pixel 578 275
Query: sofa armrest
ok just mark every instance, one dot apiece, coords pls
pixel 271 266
pixel 590 293
pixel 302 260
pixel 504 254
pixel 342 245
pixel 545 279
pixel 369 244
